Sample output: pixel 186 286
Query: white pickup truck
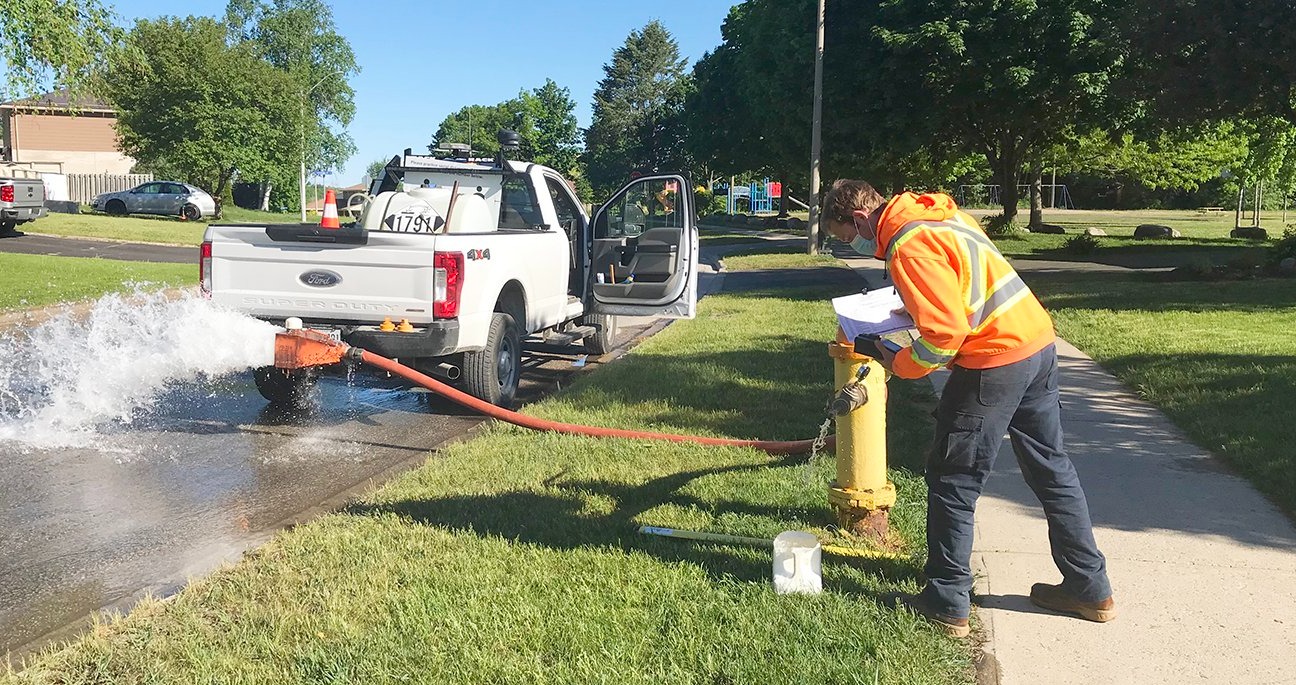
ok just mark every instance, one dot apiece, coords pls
pixel 465 260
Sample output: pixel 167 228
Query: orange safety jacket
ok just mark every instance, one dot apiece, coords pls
pixel 968 303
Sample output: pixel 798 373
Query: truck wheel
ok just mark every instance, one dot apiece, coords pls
pixel 492 374
pixel 115 207
pixel 605 339
pixel 294 389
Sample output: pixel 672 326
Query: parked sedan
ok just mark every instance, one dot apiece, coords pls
pixel 158 197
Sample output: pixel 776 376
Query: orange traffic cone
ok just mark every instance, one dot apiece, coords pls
pixel 330 216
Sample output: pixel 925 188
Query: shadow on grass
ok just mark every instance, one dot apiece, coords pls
pixel 816 284
pixel 1157 255
pixel 556 518
pixel 1134 292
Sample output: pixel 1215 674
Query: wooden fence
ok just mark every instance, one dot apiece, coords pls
pixel 83 187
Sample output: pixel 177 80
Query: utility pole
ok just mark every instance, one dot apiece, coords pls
pixel 816 136
pixel 301 178
pixel 1053 187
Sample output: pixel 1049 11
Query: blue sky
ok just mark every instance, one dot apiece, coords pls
pixel 415 71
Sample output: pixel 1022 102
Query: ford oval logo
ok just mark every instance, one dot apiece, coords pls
pixel 320 279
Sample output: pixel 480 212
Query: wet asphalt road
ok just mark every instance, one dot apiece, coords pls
pixel 210 474
pixel 105 249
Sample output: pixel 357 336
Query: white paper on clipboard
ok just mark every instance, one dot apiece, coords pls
pixel 871 313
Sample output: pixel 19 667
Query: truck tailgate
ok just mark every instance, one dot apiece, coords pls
pixel 26 193
pixel 390 276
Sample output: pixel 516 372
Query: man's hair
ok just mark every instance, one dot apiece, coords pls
pixel 848 195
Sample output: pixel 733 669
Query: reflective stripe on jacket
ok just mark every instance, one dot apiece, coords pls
pixel 970 306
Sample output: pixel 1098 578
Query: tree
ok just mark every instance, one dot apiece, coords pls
pixel 638 117
pixel 751 110
pixel 544 117
pixel 476 126
pixel 1002 78
pixel 300 38
pixel 53 44
pixel 374 170
pixel 198 107
pixel 547 116
pixel 1192 61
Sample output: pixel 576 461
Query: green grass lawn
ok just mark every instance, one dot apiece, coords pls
pixel 146 229
pixel 1205 237
pixel 514 557
pixel 1191 223
pixel 717 238
pixel 779 258
pixel 1218 357
pixel 28 281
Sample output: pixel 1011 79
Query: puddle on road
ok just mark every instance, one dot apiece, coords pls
pixel 64 381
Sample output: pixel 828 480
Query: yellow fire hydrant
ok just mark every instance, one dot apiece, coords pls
pixel 862 495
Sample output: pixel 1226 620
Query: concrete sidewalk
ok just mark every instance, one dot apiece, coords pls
pixel 1203 566
pixel 1201 563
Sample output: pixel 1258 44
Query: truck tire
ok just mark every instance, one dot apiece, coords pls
pixel 605 339
pixel 492 374
pixel 283 388
pixel 115 207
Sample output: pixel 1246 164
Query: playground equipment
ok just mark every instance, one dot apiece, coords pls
pixel 974 194
pixel 759 195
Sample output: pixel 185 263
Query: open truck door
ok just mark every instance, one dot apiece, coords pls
pixel 644 252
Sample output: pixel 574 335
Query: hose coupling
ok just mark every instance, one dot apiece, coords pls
pixel 849 399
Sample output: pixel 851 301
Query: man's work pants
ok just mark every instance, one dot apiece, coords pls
pixel 976 409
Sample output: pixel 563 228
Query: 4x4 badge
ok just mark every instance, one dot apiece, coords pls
pixel 474 255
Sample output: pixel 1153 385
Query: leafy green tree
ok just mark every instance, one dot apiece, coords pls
pixel 751 111
pixel 1002 78
pixel 374 170
pixel 1191 60
pixel 544 117
pixel 638 118
pixel 477 126
pixel 50 44
pixel 300 38
pixel 547 118
pixel 199 107
pixel 1182 158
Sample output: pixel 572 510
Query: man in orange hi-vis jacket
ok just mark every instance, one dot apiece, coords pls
pixel 975 316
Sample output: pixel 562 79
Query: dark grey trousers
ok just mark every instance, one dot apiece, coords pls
pixel 976 409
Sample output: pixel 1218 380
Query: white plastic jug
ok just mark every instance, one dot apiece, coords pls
pixel 796 563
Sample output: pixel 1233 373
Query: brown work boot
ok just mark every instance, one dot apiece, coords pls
pixel 1055 598
pixel 953 627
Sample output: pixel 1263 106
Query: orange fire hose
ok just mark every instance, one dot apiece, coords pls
pixel 534 423
pixel 299 348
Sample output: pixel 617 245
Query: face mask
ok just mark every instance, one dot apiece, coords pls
pixel 861 244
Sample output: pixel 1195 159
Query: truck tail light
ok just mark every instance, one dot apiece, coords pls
pixel 7 192
pixel 205 269
pixel 447 284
